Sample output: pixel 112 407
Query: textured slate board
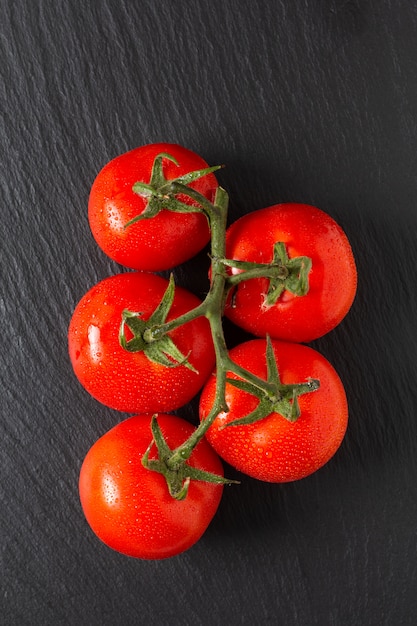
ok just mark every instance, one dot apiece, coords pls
pixel 305 100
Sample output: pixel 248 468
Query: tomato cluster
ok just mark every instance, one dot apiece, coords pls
pixel 272 407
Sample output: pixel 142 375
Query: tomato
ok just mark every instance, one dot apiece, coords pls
pixel 129 381
pixel 159 243
pixel 305 231
pixel 274 449
pixel 129 507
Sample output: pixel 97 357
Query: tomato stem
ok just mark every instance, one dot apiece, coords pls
pixel 151 336
pixel 213 310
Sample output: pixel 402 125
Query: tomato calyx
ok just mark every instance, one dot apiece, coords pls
pixel 274 396
pixel 283 273
pixel 161 193
pixel 158 348
pixel 177 473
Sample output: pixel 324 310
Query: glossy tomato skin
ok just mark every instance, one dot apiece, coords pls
pixel 128 381
pixel 159 243
pixel 306 231
pixel 274 449
pixel 129 507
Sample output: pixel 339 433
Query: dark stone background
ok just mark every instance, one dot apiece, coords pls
pixel 303 100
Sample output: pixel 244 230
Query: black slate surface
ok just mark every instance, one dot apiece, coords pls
pixel 308 100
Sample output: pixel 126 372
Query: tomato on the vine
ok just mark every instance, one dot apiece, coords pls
pixel 166 240
pixel 275 449
pixel 129 507
pixel 129 381
pixel 306 231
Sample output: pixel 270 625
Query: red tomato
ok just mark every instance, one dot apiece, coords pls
pixel 129 381
pixel 275 449
pixel 306 231
pixel 163 241
pixel 129 507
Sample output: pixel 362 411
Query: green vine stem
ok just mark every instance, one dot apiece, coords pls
pixel 151 336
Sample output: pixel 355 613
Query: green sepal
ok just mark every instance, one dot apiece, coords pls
pixel 274 396
pixel 161 350
pixel 283 273
pixel 161 193
pixel 178 476
pixel 296 280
